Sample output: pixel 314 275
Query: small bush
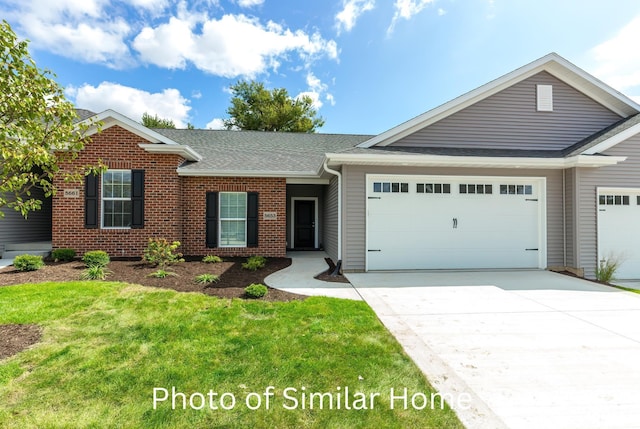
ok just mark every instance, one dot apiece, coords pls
pixel 205 279
pixel 160 252
pixel 95 272
pixel 96 258
pixel 28 262
pixel 63 255
pixel 161 274
pixel 607 269
pixel 212 259
pixel 256 290
pixel 254 263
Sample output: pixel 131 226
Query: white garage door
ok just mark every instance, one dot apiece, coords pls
pixel 444 222
pixel 619 229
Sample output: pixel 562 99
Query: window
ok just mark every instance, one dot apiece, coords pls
pixel 233 219
pixel 516 189
pixel 476 189
pixel 394 187
pixel 116 199
pixel 614 200
pixel 433 188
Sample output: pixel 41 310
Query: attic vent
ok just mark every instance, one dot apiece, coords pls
pixel 545 98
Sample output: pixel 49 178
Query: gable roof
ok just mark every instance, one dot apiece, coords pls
pixel 552 63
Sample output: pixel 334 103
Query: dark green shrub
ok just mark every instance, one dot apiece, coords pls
pixel 96 258
pixel 28 262
pixel 212 259
pixel 256 290
pixel 95 272
pixel 63 255
pixel 161 253
pixel 254 263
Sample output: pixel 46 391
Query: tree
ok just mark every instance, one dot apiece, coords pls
pixel 253 107
pixel 156 122
pixel 39 129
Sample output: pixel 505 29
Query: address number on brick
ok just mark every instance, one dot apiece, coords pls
pixel 270 215
pixel 71 193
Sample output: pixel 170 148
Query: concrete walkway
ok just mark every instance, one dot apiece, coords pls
pixel 299 277
pixel 532 349
pixel 5 262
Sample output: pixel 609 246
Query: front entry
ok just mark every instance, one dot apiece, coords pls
pixel 304 224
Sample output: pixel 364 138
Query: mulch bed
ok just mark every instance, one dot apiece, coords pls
pixel 233 278
pixel 15 338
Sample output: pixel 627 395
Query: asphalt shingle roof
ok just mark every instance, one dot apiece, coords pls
pixel 256 151
pixel 599 137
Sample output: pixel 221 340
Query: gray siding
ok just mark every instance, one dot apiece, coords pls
pixel 624 175
pixel 354 215
pixel 570 216
pixel 305 191
pixel 509 120
pixel 16 229
pixel 330 215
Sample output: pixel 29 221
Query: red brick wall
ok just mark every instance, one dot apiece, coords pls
pixel 174 208
pixel 272 198
pixel 118 148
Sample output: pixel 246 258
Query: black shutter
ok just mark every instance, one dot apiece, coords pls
pixel 252 219
pixel 137 199
pixel 212 219
pixel 91 201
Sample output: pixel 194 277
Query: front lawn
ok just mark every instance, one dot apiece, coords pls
pixel 105 347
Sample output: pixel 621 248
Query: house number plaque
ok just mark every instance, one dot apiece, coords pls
pixel 270 216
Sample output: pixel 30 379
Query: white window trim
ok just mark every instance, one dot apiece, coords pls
pixel 102 198
pixel 231 219
pixel 293 219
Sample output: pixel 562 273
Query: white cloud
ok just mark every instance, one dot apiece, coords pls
pixel 132 102
pixel 216 124
pixel 618 59
pixel 234 45
pixel 196 94
pixel 441 12
pixel 406 9
pixel 316 90
pixel 351 11
pixel 250 3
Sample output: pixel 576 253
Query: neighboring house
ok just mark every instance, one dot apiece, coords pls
pixel 537 169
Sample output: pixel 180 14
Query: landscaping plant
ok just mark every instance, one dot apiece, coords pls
pixel 205 279
pixel 95 272
pixel 254 263
pixel 607 269
pixel 256 290
pixel 63 255
pixel 212 259
pixel 96 258
pixel 161 274
pixel 28 262
pixel 161 253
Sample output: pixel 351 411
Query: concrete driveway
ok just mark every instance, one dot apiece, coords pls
pixel 517 349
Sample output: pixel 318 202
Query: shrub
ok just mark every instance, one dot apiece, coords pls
pixel 205 279
pixel 255 290
pixel 607 269
pixel 161 253
pixel 28 262
pixel 95 272
pixel 212 259
pixel 63 255
pixel 254 263
pixel 161 274
pixel 96 258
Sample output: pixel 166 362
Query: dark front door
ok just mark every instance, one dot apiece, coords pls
pixel 304 227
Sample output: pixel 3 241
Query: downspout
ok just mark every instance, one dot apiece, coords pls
pixel 339 176
pixel 564 218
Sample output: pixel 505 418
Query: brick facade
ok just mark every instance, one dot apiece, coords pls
pixel 174 206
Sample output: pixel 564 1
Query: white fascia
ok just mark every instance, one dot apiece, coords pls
pixel 473 161
pixel 175 149
pixel 110 117
pixel 614 140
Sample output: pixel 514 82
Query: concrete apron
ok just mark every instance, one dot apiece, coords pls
pixel 531 348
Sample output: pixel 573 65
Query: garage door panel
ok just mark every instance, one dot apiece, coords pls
pixel 415 230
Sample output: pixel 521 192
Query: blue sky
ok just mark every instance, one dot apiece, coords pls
pixel 369 64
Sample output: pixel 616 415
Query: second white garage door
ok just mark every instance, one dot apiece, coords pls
pixel 445 222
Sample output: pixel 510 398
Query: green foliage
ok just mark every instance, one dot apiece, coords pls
pixel 255 290
pixel 64 255
pixel 156 121
pixel 96 258
pixel 95 272
pixel 160 252
pixel 253 107
pixel 38 129
pixel 205 279
pixel 28 262
pixel 607 269
pixel 212 259
pixel 161 274
pixel 254 263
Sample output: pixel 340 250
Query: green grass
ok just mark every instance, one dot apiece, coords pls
pixel 107 345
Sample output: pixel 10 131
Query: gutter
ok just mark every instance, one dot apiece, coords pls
pixel 339 176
